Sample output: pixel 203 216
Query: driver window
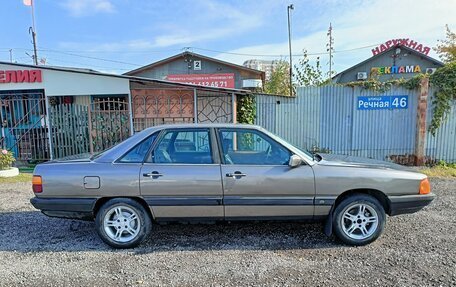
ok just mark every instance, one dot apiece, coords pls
pixel 251 147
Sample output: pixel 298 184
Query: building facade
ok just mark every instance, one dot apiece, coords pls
pixel 201 70
pixel 267 66
pixel 391 62
pixel 56 112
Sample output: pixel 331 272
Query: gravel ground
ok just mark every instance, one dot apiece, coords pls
pixel 415 250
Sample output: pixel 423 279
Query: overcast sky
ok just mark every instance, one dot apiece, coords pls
pixel 121 35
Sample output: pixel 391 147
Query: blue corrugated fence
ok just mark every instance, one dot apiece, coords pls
pixel 339 119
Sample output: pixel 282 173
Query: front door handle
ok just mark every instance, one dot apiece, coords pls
pixel 154 174
pixel 236 174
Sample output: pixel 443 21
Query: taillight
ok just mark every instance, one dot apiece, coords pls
pixel 37 184
pixel 425 186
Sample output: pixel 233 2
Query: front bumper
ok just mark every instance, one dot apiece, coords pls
pixel 75 208
pixel 409 203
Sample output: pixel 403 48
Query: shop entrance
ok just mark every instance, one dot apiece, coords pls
pixel 24 127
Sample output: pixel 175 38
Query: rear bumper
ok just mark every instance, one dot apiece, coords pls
pixel 76 208
pixel 409 203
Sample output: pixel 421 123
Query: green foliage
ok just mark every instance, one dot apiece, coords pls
pixel 279 83
pixel 246 109
pixel 306 74
pixel 443 163
pixel 6 159
pixel 316 149
pixel 446 49
pixel 374 84
pixel 444 79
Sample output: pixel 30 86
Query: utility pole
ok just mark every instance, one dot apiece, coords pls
pixel 32 29
pixel 11 55
pixel 330 49
pixel 289 8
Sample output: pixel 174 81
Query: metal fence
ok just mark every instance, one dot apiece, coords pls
pixel 328 119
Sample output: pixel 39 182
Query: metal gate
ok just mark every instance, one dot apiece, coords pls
pixel 109 122
pixel 70 130
pixel 24 126
pixel 152 107
pixel 215 107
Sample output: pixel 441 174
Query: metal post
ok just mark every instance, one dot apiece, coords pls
pixel 89 119
pixel 420 137
pixel 233 108
pixel 47 119
pixel 34 33
pixel 290 7
pixel 3 128
pixel 195 106
pixel 130 104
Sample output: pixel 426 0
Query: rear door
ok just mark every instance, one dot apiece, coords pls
pixel 257 181
pixel 181 178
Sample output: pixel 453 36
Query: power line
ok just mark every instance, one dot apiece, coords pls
pixel 91 57
pixel 278 56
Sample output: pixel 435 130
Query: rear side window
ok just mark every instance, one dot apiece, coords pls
pixel 139 152
pixel 184 147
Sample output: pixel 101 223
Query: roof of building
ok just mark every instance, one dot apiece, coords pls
pixel 187 53
pixel 132 78
pixel 437 62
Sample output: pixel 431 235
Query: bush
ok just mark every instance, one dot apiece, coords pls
pixel 6 159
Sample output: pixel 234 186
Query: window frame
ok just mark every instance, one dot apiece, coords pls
pixel 157 135
pixel 212 146
pixel 229 129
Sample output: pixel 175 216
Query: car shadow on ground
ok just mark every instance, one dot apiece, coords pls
pixel 31 231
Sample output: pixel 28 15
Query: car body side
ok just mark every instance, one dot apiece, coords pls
pixel 75 189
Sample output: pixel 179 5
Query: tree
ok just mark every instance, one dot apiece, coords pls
pixel 279 83
pixel 446 49
pixel 306 74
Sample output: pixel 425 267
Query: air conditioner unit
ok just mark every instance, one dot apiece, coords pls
pixel 430 71
pixel 252 83
pixel 361 76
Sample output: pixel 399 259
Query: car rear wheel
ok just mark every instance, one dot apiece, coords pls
pixel 359 219
pixel 123 223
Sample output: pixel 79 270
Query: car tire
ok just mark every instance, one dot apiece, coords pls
pixel 123 223
pixel 359 219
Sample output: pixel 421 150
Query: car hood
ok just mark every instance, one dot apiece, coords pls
pixel 354 161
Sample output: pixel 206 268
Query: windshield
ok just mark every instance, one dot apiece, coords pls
pixel 303 152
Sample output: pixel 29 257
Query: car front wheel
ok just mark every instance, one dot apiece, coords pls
pixel 123 223
pixel 359 219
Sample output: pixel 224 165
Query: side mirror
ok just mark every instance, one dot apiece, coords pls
pixel 294 161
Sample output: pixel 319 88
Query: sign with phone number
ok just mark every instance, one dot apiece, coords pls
pixel 382 103
pixel 209 80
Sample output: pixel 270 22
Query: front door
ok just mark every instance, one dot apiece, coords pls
pixel 257 181
pixel 181 178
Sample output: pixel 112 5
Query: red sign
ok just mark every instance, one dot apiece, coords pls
pixel 208 80
pixel 401 42
pixel 20 76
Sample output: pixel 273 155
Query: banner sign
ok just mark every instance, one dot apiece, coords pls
pixel 401 42
pixel 20 76
pixel 382 103
pixel 396 70
pixel 208 80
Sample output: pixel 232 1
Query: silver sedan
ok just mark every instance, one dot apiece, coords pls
pixel 215 172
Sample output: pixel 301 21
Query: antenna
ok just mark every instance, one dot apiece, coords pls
pixel 330 49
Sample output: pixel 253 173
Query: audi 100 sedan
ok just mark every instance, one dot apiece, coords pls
pixel 216 172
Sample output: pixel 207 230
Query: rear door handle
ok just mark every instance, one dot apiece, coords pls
pixel 236 174
pixel 154 174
